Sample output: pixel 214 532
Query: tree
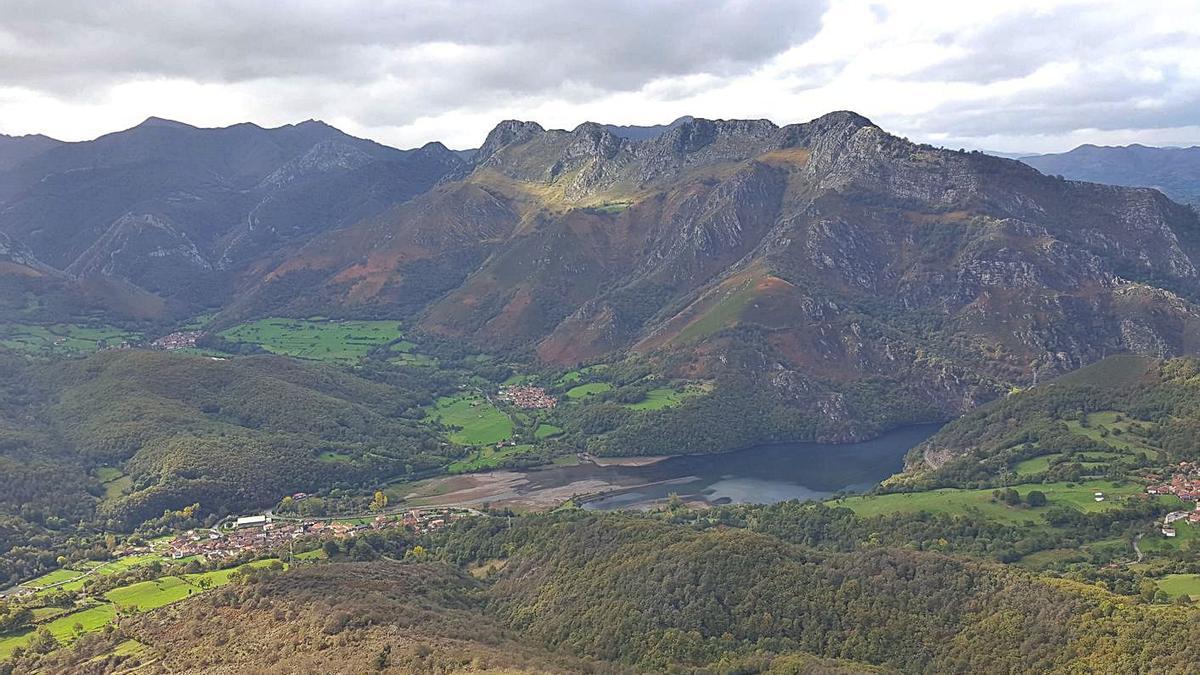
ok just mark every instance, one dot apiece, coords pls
pixel 1036 498
pixel 43 642
pixel 380 501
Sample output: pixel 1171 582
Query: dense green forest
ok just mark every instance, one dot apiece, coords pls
pixel 741 591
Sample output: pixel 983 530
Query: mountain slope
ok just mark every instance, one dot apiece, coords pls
pixel 829 264
pixel 17 149
pixel 1174 171
pixel 181 211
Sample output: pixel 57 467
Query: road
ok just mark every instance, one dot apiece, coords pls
pixel 1137 549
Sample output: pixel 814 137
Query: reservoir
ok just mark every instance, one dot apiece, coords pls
pixel 761 474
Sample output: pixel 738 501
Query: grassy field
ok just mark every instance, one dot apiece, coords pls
pixel 334 457
pixel 547 431
pixel 53 578
pixel 116 484
pixel 589 389
pixel 62 338
pixel 1114 429
pixel 411 359
pixel 1078 496
pixel 478 421
pixel 148 595
pixel 140 597
pixel 488 458
pixel 1041 463
pixel 1176 585
pixel 64 628
pixel 1029 467
pixel 403 346
pixel 326 340
pixel 667 397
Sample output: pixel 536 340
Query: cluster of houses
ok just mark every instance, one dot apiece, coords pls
pixel 260 533
pixel 527 397
pixel 178 340
pixel 1185 484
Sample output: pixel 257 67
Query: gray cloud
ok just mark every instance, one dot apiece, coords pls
pixel 69 47
pixel 406 71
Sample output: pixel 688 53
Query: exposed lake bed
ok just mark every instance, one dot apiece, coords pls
pixel 761 475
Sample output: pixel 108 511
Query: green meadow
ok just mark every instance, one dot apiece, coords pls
pixel 318 340
pixel 589 389
pixel 1176 585
pixel 475 419
pixel 138 597
pixel 1079 496
pixel 547 431
pixel 668 397
pixel 488 457
pixel 148 595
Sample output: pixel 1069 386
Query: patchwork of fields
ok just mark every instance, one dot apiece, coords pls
pixel 62 339
pixel 1078 496
pixel 318 340
pixel 138 597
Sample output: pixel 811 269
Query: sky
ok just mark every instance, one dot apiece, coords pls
pixel 1002 75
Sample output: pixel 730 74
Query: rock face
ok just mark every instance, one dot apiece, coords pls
pixel 814 258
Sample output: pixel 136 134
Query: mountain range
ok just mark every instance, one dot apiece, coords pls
pixel 853 279
pixel 1174 171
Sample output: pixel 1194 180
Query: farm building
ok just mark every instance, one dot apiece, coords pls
pixel 252 521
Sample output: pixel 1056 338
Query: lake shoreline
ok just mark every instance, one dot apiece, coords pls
pixel 757 474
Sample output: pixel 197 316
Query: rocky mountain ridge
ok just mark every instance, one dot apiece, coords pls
pixel 815 259
pixel 855 278
pixel 182 211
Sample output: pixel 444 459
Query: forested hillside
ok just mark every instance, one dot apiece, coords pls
pixel 571 592
pixel 1111 417
pixel 106 442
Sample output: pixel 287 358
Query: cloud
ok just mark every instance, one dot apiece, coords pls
pixel 1019 75
pixel 71 48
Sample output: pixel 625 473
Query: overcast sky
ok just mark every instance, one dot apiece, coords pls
pixel 1035 76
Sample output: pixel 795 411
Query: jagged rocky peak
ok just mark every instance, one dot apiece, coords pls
pixel 697 133
pixel 593 140
pixel 507 133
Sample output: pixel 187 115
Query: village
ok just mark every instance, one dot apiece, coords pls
pixel 178 340
pixel 1184 484
pixel 527 397
pixel 259 533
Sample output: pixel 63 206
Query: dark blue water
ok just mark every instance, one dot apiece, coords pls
pixel 758 475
